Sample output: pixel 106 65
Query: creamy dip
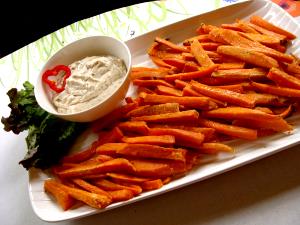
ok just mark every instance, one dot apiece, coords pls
pixel 92 80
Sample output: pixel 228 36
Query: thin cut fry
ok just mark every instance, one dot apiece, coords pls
pixel 202 71
pixel 283 79
pixel 194 102
pixel 214 148
pixel 91 188
pixel 231 130
pixel 164 90
pixel 269 26
pixel 223 95
pixel 110 148
pixel 121 195
pixel 233 38
pixel 183 137
pixel 176 62
pixel 61 196
pixel 231 65
pixel 240 73
pixel 275 90
pixel 151 168
pixel 94 200
pixel 171 45
pixel 152 184
pixel 200 54
pixel 111 186
pixel 249 56
pixel 80 156
pixel 163 140
pixel 267 32
pixel 126 178
pixel 115 165
pixel 153 151
pixel 264 119
pixel 134 126
pixel 151 83
pixel 155 109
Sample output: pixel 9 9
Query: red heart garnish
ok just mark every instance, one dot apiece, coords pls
pixel 54 72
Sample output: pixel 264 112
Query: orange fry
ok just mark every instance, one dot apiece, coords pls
pixel 96 159
pixel 80 156
pixel 92 199
pixel 239 88
pixel 249 114
pixel 263 39
pixel 126 178
pixel 159 73
pixel 168 91
pixel 275 90
pixel 152 151
pixel 110 148
pixel 240 113
pixel 121 195
pixel 277 126
pixel 152 185
pixel 264 99
pixel 267 32
pixel 194 102
pixel 112 136
pixel 214 148
pixel 180 84
pixel 200 54
pixel 111 186
pixel 283 79
pixel 134 126
pixel 287 112
pixel 163 140
pixel 61 196
pixel 249 56
pixel 231 26
pixel 155 109
pixel 269 26
pixel 89 187
pixel 115 165
pixel 182 137
pixel 176 62
pixel 200 38
pixel 190 67
pixel 223 95
pixel 232 65
pixel 159 62
pixel 233 38
pixel 171 45
pixel 151 168
pixel 202 71
pixel 189 91
pixel 246 28
pixel 240 73
pixel 231 130
pixel 151 83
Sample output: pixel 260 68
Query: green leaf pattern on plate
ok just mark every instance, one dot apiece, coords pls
pixel 123 23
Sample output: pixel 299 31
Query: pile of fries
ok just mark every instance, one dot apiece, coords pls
pixel 228 82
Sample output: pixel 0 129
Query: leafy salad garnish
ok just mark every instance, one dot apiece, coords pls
pixel 49 137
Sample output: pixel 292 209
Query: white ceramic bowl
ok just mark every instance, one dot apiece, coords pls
pixel 90 46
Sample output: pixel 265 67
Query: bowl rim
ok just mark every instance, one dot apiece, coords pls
pixel 93 107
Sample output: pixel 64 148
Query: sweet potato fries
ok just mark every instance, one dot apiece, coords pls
pixel 227 82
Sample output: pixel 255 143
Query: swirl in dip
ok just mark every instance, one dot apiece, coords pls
pixel 92 80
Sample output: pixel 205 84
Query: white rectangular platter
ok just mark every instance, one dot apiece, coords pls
pixel 246 151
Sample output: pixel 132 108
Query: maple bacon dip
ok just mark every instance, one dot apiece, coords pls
pixel 92 80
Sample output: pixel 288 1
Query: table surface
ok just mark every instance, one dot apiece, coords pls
pixel 264 192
